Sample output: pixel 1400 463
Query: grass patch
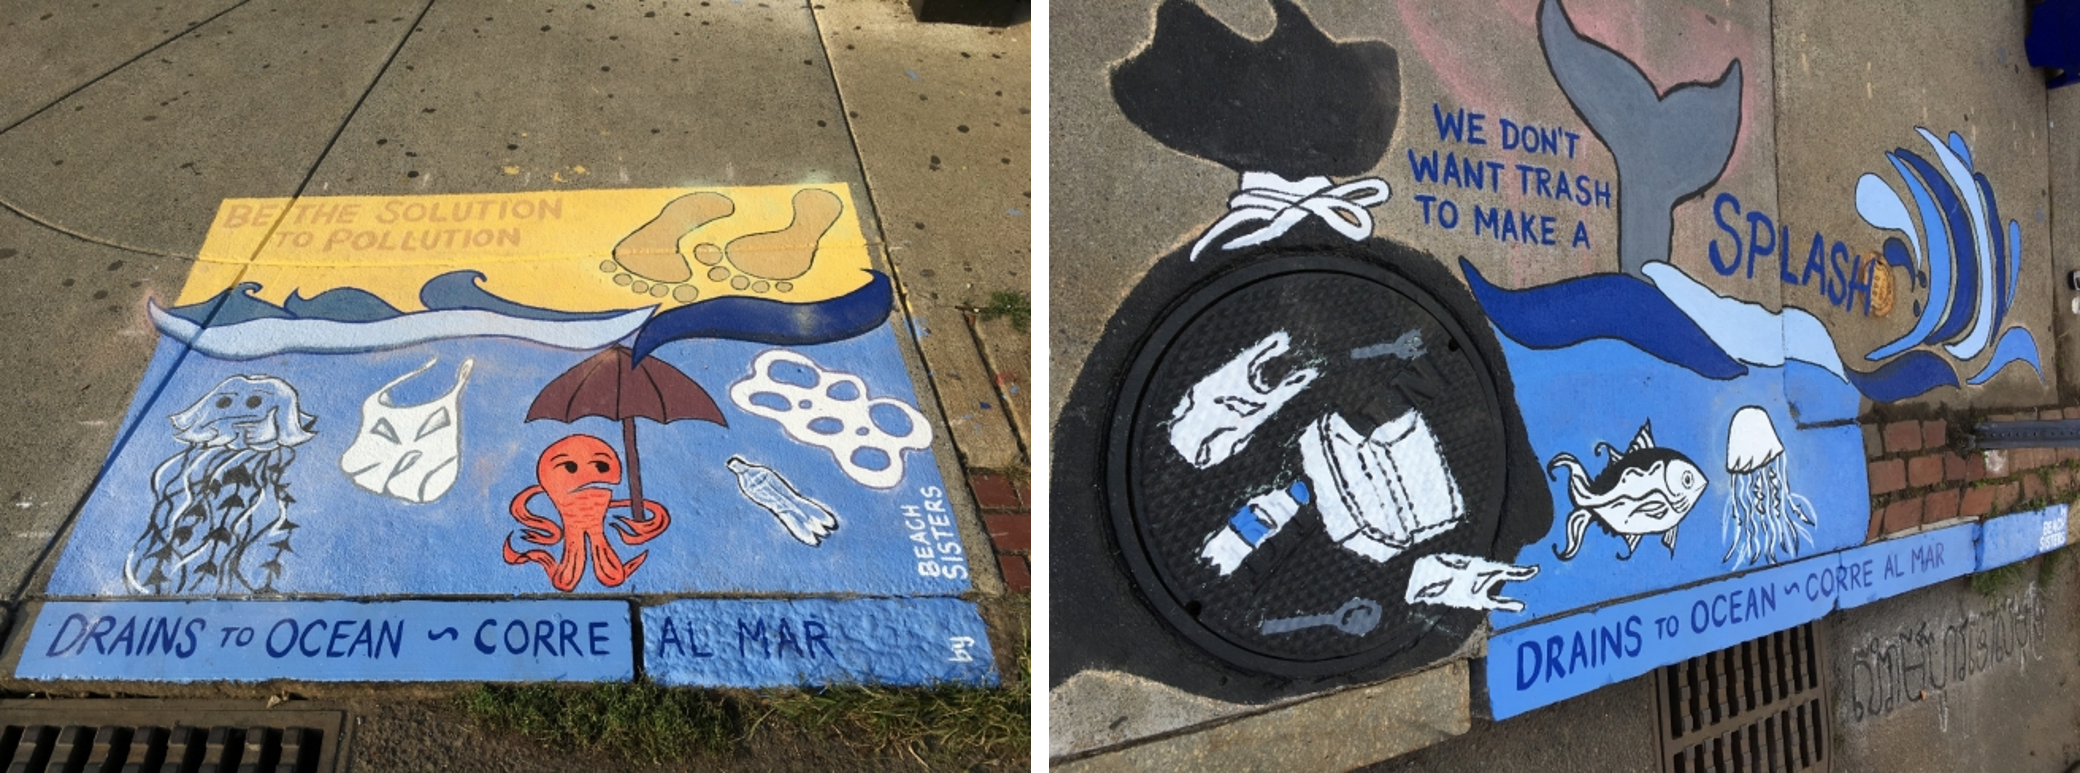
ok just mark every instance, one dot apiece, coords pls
pixel 638 721
pixel 1014 306
pixel 949 727
pixel 1993 580
pixel 938 727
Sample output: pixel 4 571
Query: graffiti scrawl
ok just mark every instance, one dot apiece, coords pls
pixel 222 503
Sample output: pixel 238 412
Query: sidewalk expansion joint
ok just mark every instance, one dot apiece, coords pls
pixel 126 63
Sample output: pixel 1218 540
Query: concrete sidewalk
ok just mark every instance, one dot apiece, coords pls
pixel 127 128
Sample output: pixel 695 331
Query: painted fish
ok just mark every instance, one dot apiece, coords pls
pixel 1644 490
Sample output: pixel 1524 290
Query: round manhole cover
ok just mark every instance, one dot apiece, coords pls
pixel 1306 466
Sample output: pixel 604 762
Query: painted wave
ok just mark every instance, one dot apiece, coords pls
pixel 1684 323
pixel 1615 306
pixel 741 318
pixel 1747 331
pixel 235 325
pixel 458 290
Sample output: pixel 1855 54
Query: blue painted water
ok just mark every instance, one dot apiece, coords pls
pixel 1603 390
pixel 355 543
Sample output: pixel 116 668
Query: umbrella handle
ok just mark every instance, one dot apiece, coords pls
pixel 635 467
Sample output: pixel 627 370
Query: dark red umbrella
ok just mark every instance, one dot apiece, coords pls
pixel 607 386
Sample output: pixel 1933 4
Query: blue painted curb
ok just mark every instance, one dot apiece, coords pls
pixel 330 641
pixel 814 642
pixel 1550 661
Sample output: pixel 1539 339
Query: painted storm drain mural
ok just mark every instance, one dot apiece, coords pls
pixel 1329 454
pixel 554 395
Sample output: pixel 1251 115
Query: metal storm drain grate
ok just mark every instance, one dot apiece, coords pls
pixel 146 736
pixel 1759 705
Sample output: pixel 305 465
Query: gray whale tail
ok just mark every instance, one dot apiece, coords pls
pixel 1669 148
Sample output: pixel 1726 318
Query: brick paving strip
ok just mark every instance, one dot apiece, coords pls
pixel 1007 512
pixel 1919 475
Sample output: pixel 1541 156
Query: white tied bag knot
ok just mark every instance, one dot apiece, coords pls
pixel 1280 204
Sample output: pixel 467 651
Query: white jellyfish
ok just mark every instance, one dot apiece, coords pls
pixel 220 506
pixel 1763 517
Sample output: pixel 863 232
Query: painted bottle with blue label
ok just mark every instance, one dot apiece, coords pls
pixel 1255 522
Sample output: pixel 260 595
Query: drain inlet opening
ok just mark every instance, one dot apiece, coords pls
pixel 1759 705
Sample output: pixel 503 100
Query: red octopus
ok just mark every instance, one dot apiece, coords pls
pixel 578 473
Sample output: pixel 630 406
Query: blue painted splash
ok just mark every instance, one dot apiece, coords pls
pixel 1970 293
pixel 1904 376
pixel 1896 253
pixel 1963 256
pixel 1957 146
pixel 2015 345
pixel 1614 306
pixel 2014 259
pixel 1937 274
pixel 2001 278
pixel 765 321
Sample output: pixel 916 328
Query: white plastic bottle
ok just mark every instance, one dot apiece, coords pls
pixel 807 519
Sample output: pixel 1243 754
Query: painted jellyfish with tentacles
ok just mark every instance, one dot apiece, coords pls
pixel 220 507
pixel 1764 519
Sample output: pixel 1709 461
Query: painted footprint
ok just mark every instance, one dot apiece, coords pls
pixel 766 261
pixel 648 261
